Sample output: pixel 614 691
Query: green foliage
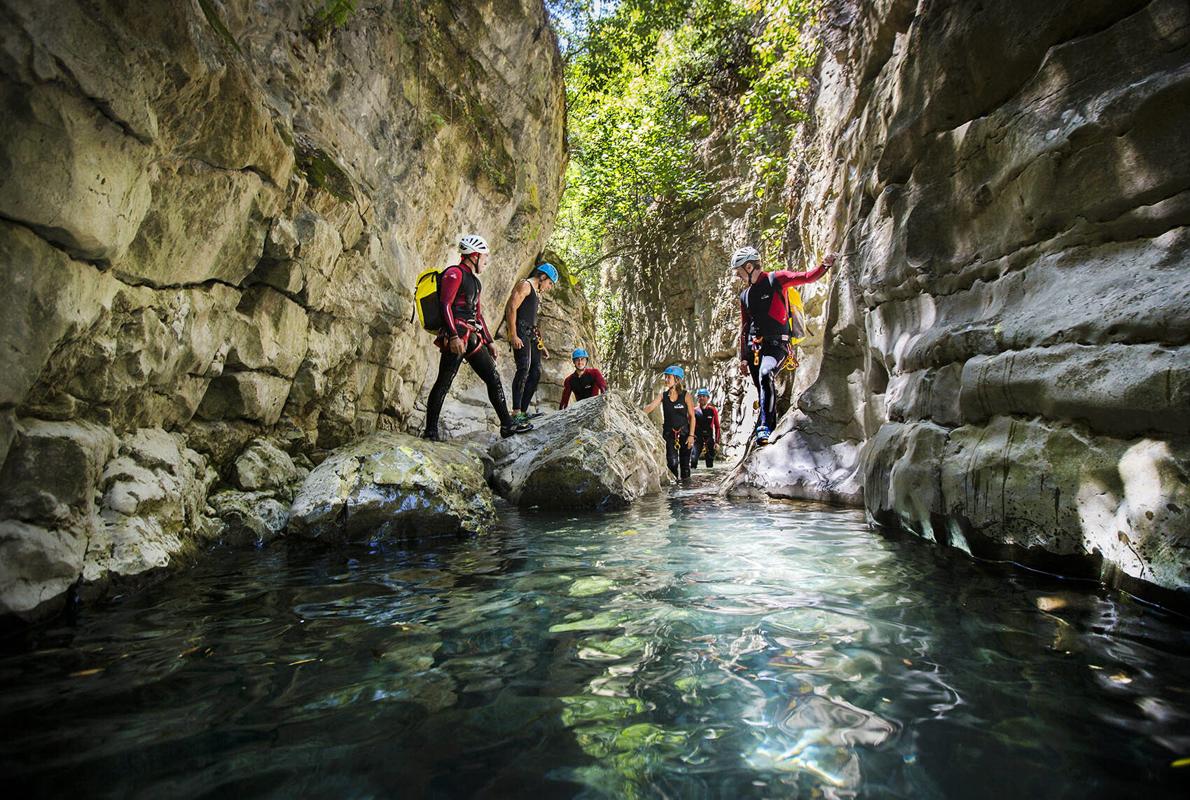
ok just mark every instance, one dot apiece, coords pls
pixel 331 15
pixel 647 81
pixel 776 101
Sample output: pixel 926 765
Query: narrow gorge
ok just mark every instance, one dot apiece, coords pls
pixel 999 364
pixel 238 557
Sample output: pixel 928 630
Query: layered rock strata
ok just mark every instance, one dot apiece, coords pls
pixel 211 217
pixel 1007 356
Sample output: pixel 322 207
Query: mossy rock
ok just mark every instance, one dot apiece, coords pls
pixel 391 485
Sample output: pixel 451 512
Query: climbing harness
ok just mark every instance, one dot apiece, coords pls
pixel 791 363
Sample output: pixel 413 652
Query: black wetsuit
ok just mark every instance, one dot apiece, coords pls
pixel 705 423
pixel 464 319
pixel 676 430
pixel 528 358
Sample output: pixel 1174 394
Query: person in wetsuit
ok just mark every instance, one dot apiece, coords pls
pixel 678 426
pixel 706 429
pixel 584 382
pixel 764 326
pixel 520 316
pixel 465 337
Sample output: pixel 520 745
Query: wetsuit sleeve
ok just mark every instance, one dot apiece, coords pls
pixel 745 321
pixel 715 422
pixel 448 290
pixel 600 383
pixel 565 393
pixel 788 278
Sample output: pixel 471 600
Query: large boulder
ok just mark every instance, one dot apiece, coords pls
pixel 393 485
pixel 600 453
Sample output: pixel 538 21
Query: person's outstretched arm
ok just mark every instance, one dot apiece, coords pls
pixel 789 278
pixel 600 383
pixel 651 407
pixel 565 393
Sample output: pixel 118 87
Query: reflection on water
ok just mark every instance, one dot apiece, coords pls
pixel 688 647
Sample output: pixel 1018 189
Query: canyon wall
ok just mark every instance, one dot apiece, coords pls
pixel 212 214
pixel 1006 366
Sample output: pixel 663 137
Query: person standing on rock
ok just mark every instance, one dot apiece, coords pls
pixel 520 317
pixel 706 429
pixel 465 337
pixel 584 382
pixel 678 425
pixel 765 315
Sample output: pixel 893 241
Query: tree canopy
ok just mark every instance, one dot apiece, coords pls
pixel 646 80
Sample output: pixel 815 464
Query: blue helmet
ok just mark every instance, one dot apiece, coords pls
pixel 703 393
pixel 579 353
pixel 676 371
pixel 548 270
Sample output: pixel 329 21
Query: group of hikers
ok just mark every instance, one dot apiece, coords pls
pixel 449 304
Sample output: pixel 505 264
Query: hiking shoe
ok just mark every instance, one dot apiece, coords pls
pixel 762 435
pixel 433 436
pixel 514 428
pixel 520 419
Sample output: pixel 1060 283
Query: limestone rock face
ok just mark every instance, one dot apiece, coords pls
pixel 1006 349
pixel 600 453
pixel 212 218
pixel 389 486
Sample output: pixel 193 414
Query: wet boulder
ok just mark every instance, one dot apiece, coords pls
pixel 601 453
pixel 391 485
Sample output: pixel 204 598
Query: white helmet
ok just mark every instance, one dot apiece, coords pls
pixel 472 244
pixel 742 256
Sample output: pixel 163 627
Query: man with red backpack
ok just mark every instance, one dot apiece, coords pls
pixel 766 318
pixel 464 336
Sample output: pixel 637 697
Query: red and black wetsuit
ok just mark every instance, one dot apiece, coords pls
pixel 706 433
pixel 458 292
pixel 589 384
pixel 764 331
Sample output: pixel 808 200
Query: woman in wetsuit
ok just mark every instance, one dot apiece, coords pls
pixel 678 425
pixel 520 316
pixel 465 337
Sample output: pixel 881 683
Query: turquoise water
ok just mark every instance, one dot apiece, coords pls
pixel 688 647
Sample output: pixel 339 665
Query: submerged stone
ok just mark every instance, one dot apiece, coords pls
pixel 393 485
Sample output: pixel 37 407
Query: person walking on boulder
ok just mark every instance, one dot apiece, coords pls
pixel 678 425
pixel 584 382
pixel 465 337
pixel 766 317
pixel 706 429
pixel 520 317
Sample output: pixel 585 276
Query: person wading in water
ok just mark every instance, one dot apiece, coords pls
pixel 520 317
pixel 465 337
pixel 706 429
pixel 678 426
pixel 765 316
pixel 583 382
